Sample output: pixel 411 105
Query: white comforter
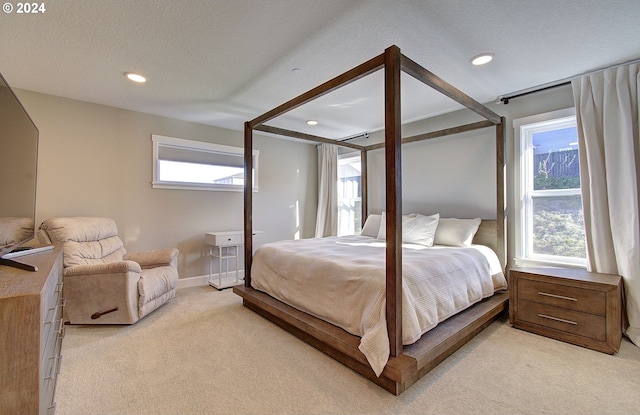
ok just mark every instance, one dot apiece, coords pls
pixel 342 280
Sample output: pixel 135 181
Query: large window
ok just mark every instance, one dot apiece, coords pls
pixel 196 165
pixel 349 194
pixel 550 222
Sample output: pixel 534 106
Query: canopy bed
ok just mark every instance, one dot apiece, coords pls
pixel 404 362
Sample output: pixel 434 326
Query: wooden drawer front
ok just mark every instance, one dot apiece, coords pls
pixel 582 324
pixel 571 298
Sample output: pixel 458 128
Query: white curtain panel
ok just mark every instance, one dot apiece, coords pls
pixel 327 217
pixel 609 145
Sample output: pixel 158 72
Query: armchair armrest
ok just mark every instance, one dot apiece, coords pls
pixel 154 258
pixel 106 268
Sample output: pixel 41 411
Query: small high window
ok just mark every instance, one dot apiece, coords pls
pixel 196 165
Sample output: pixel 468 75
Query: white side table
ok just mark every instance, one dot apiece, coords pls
pixel 225 247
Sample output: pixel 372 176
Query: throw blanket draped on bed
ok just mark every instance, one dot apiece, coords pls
pixel 342 280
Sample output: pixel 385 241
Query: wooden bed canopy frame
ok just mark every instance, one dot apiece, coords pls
pixel 406 363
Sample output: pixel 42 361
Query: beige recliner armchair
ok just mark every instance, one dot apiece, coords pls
pixel 103 284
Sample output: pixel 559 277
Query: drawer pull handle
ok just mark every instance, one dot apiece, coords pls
pixel 557 319
pixel 562 297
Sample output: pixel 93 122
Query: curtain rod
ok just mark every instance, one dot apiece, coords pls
pixel 504 99
pixel 353 137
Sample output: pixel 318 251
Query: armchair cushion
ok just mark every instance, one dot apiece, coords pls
pixel 93 252
pixel 79 229
pixel 156 286
pixel 86 240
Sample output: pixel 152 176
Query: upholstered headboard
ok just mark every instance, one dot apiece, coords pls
pixel 488 235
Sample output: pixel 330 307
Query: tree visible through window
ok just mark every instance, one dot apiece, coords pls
pixel 551 222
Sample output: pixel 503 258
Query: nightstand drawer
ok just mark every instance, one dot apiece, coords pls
pixel 559 295
pixel 569 321
pixel 223 238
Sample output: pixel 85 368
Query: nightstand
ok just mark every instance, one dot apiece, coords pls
pixel 572 305
pixel 224 246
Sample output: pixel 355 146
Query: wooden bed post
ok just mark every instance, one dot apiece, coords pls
pixel 364 191
pixel 248 202
pixel 392 133
pixel 500 190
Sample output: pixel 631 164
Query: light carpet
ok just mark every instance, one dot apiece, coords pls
pixel 204 353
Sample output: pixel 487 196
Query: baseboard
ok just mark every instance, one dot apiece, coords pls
pixel 199 281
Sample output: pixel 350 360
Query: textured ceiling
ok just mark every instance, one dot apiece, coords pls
pixel 225 62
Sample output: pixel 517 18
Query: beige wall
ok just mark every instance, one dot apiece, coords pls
pixel 96 160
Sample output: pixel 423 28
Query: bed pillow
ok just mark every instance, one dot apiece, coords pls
pixel 382 230
pixel 371 226
pixel 416 228
pixel 420 229
pixel 456 232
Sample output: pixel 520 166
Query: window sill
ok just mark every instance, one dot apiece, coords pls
pixel 210 188
pixel 531 262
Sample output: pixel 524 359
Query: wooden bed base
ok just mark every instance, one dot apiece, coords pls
pixel 401 371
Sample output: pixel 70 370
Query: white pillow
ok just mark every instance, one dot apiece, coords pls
pixel 416 228
pixel 456 232
pixel 371 225
pixel 420 229
pixel 382 231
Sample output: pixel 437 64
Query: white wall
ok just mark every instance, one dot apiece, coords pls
pixel 452 175
pixel 96 160
pixel 456 175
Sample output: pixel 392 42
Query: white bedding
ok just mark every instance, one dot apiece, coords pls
pixel 342 280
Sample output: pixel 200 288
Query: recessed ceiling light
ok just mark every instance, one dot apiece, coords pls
pixel 482 59
pixel 312 122
pixel 135 77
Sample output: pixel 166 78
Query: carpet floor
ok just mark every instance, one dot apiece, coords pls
pixel 204 353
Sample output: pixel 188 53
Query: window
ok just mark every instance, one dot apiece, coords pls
pixel 550 222
pixel 196 165
pixel 349 194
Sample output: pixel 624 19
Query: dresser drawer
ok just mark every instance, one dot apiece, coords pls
pixel 569 321
pixel 564 296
